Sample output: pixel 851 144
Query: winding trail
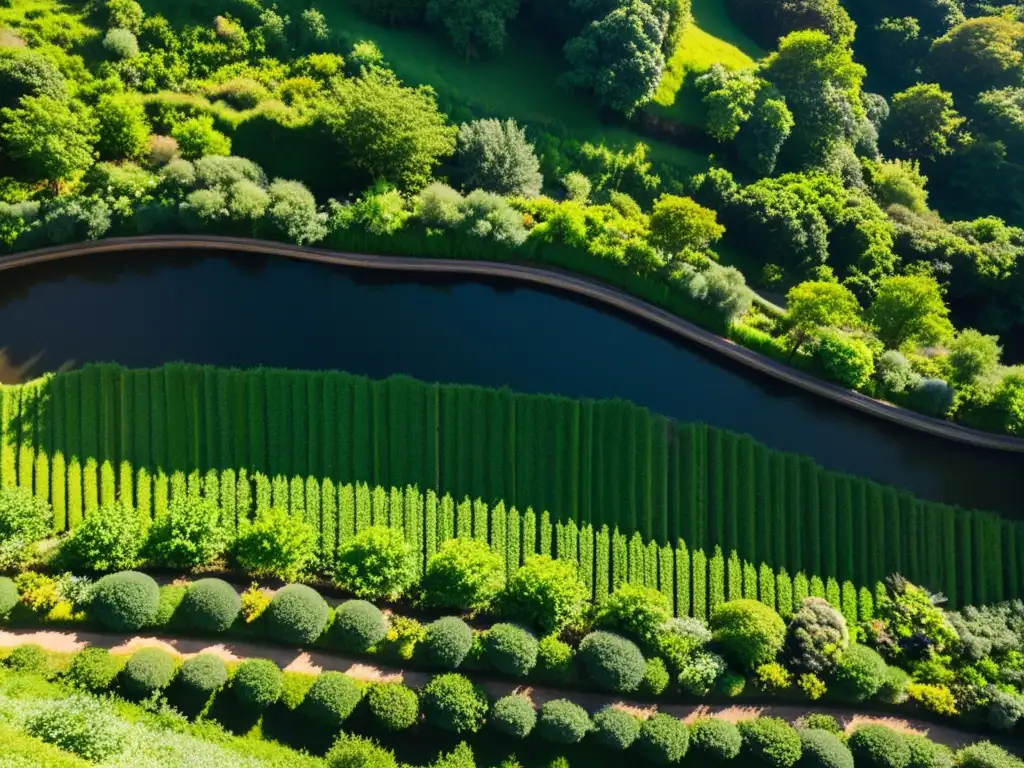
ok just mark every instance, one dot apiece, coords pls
pixel 314 662
pixel 552 278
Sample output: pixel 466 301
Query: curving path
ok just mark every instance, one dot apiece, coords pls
pixel 552 278
pixel 314 662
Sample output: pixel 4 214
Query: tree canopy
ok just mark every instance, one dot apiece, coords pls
pixel 922 122
pixel 909 310
pixel 52 138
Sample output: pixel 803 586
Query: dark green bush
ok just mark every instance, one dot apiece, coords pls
pixel 510 649
pixel 514 715
pixel 8 596
pixel 28 658
pixel 984 754
pixel 656 677
pixel 358 626
pixel 769 741
pixel 297 615
pixel 148 671
pixel 331 699
pixel 875 746
pixel 860 673
pixel 615 728
pixel 125 602
pixel 611 662
pixel 563 722
pixel 453 703
pixel 663 739
pixel 351 751
pixel 210 605
pixel 749 632
pixel 94 669
pixel 257 683
pixel 713 740
pixel 202 675
pixel 393 705
pixel 925 753
pixel 446 642
pixel 822 749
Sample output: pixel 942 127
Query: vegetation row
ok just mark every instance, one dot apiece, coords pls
pixel 305 442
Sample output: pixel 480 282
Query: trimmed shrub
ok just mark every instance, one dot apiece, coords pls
pixel 612 662
pixel 465 574
pixel 514 715
pixel 545 593
pixel 510 649
pixel 446 642
pixel 257 683
pixel 377 562
pixel 202 675
pixel 563 722
pixel 714 740
pixel 331 699
pixel 615 728
pixel 984 754
pixel 663 739
pixel 453 703
pixel 656 677
pixel 210 605
pixel 925 753
pixel 875 746
pixel 822 749
pixel 816 634
pixel 749 632
pixel 148 671
pixel 121 44
pixel 358 626
pixel 393 705
pixel 125 602
pixel 859 674
pixel 82 725
pixel 555 660
pixel 351 751
pixel 8 596
pixel 94 669
pixel 634 611
pixel 171 596
pixel 30 659
pixel 296 615
pixel 769 741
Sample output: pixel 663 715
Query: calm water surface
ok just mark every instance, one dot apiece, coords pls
pixel 240 310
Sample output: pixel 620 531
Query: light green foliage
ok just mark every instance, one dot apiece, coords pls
pixel 438 205
pixel 331 699
pixel 465 574
pixel 497 157
pixel 24 520
pixel 545 593
pixel 656 678
pixel 94 669
pixel 635 611
pixel 814 305
pixel 189 535
pixel 376 563
pixel 351 751
pixel 894 372
pixel 474 26
pixel 275 544
pixel 110 539
pixel 202 675
pixel 487 215
pixel 663 740
pixel 148 672
pixel 82 725
pixel 121 44
pixel 907 610
pixel 1008 402
pixel 30 659
pixel 976 55
pixel 197 137
pixel 381 210
pixel 973 356
pixel 773 678
pixel 453 703
pixel 860 672
pixel 53 139
pixel 750 633
pixel 678 223
pixel 28 73
pixel 714 740
pixel 922 122
pixel 393 705
pixel 577 187
pixel 446 642
pixel 897 182
pixel 8 596
pixel 909 310
pixel 210 605
pixel 123 127
pixel 555 660
pixel 699 673
pixel 292 213
pixel 846 358
pixel 124 14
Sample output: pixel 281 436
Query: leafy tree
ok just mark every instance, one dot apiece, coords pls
pixel 978 55
pixel 124 14
pixel 846 358
pixel 897 182
pixel 619 57
pixel 815 305
pixel 678 223
pixel 760 141
pixel 314 31
pixel 497 157
pixel 121 44
pixel 473 25
pixel 54 140
pixel 28 73
pixel 1008 403
pixel 615 170
pixel 909 310
pixel 389 131
pixel 188 535
pixel 123 127
pixel 197 137
pixel 292 213
pixel 922 121
pixel 973 356
pixel 767 22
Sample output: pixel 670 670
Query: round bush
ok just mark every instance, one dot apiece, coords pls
pixel 732 685
pixel 563 722
pixel 332 698
pixel 925 753
pixel 822 749
pixel 358 626
pixel 465 574
pixel 125 602
pixel 377 562
pixel 769 741
pixel 393 705
pixel 875 746
pixel 446 642
pixel 750 633
pixel 634 611
pixel 663 739
pixel 860 673
pixel 28 658
pixel 656 677
pixel 555 660
pixel 121 44
pixel 210 605
pixel 984 754
pixel 202 675
pixel 816 633
pixel 257 683
pixel 822 722
pixel 296 615
pixel 351 751
pixel 615 728
pixel 94 669
pixel 510 649
pixel 514 715
pixel 452 702
pixel 714 740
pixel 8 596
pixel 612 662
pixel 147 672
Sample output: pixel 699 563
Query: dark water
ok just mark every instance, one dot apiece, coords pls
pixel 237 310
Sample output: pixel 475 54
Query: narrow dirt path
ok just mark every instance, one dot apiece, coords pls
pixel 298 660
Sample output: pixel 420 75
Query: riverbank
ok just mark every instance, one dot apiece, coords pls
pixel 550 278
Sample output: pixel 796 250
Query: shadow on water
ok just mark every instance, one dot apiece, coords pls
pixel 246 310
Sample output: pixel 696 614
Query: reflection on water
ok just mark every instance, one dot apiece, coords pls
pixel 247 310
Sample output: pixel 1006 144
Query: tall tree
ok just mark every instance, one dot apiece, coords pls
pixel 978 55
pixel 922 122
pixel 53 139
pixel 815 305
pixel 909 310
pixel 474 25
pixel 496 156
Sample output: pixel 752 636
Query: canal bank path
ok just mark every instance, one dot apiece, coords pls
pixel 552 278
pixel 316 661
